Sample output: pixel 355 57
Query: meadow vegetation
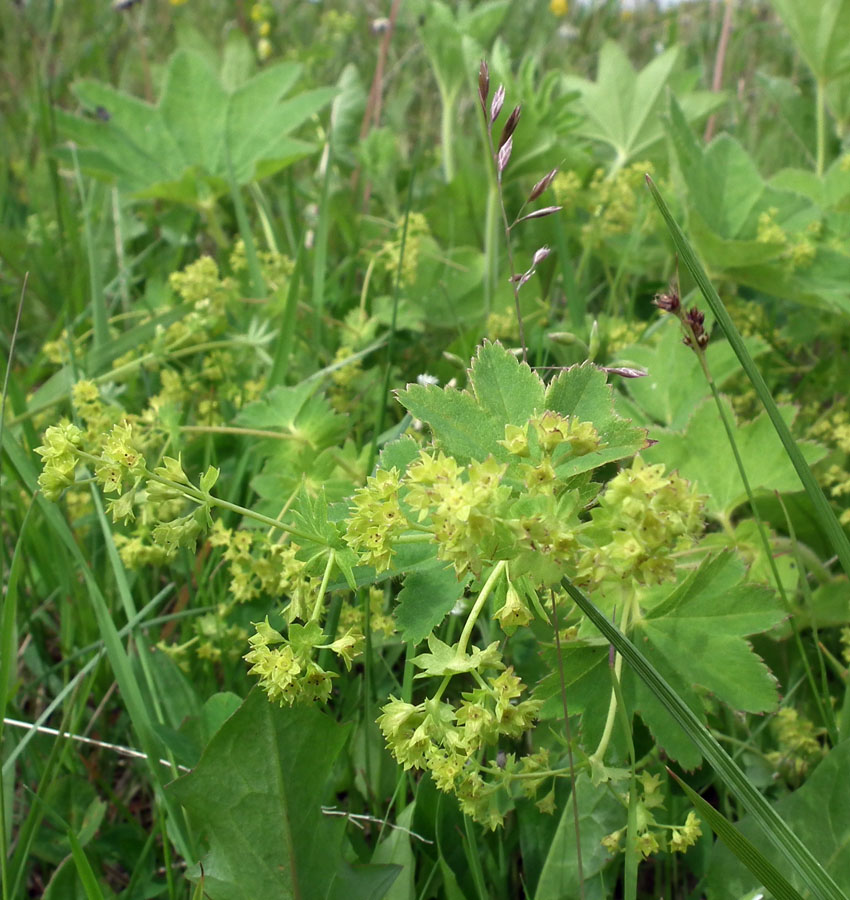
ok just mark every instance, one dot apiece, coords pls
pixel 425 450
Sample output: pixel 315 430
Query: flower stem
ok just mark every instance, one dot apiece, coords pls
pixel 485 592
pixel 599 754
pixel 320 599
pixel 820 120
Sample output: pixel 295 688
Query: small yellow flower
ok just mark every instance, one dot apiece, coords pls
pixel 558 7
pixel 264 49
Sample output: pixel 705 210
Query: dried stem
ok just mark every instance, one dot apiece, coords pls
pixel 719 60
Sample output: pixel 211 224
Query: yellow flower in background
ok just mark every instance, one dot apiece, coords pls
pixel 558 7
pixel 264 49
pixel 177 2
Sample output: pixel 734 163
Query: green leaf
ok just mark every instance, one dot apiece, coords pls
pixel 744 849
pixel 599 813
pixel 458 420
pixel 447 660
pixel 399 454
pixel 425 600
pixel 825 515
pixel 794 852
pixel 696 636
pixel 452 39
pixel 726 196
pixel 505 388
pixel 458 423
pixel 726 190
pixel 204 124
pixel 396 850
pixel 820 812
pixel 621 108
pixel 298 411
pixel 505 391
pixel 583 392
pixel 209 478
pixel 257 794
pixel 587 684
pixel 675 384
pixel 820 32
pixel 702 454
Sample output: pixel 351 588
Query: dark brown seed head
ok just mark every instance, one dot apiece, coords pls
pixel 668 302
pixel 483 85
pixel 510 125
pixel 541 185
pixel 539 214
pixel 696 320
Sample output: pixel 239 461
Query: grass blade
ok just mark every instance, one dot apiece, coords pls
pixel 767 874
pixel 825 515
pixel 118 657
pixel 816 878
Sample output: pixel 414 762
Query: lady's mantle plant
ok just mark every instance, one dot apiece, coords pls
pixel 519 486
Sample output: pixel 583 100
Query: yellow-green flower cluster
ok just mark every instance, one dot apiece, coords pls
pixel 482 512
pixel 137 552
pixel 261 16
pixel 218 639
pixel 845 644
pixel 59 456
pixel 620 334
pixel 285 666
pixel 768 230
pixel 358 330
pixel 258 566
pixel 567 187
pixel 120 460
pixel 799 744
pixel 643 514
pixel 462 505
pixel 418 233
pixel 613 202
pixel 649 834
pixel 381 623
pixel 502 326
pixel 448 740
pixel 97 417
pixel 201 285
pixel 377 519
pixel 277 268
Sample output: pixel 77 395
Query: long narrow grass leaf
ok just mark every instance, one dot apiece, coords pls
pixel 741 846
pixel 286 333
pixel 84 869
pixel 816 878
pixel 115 650
pixel 825 515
